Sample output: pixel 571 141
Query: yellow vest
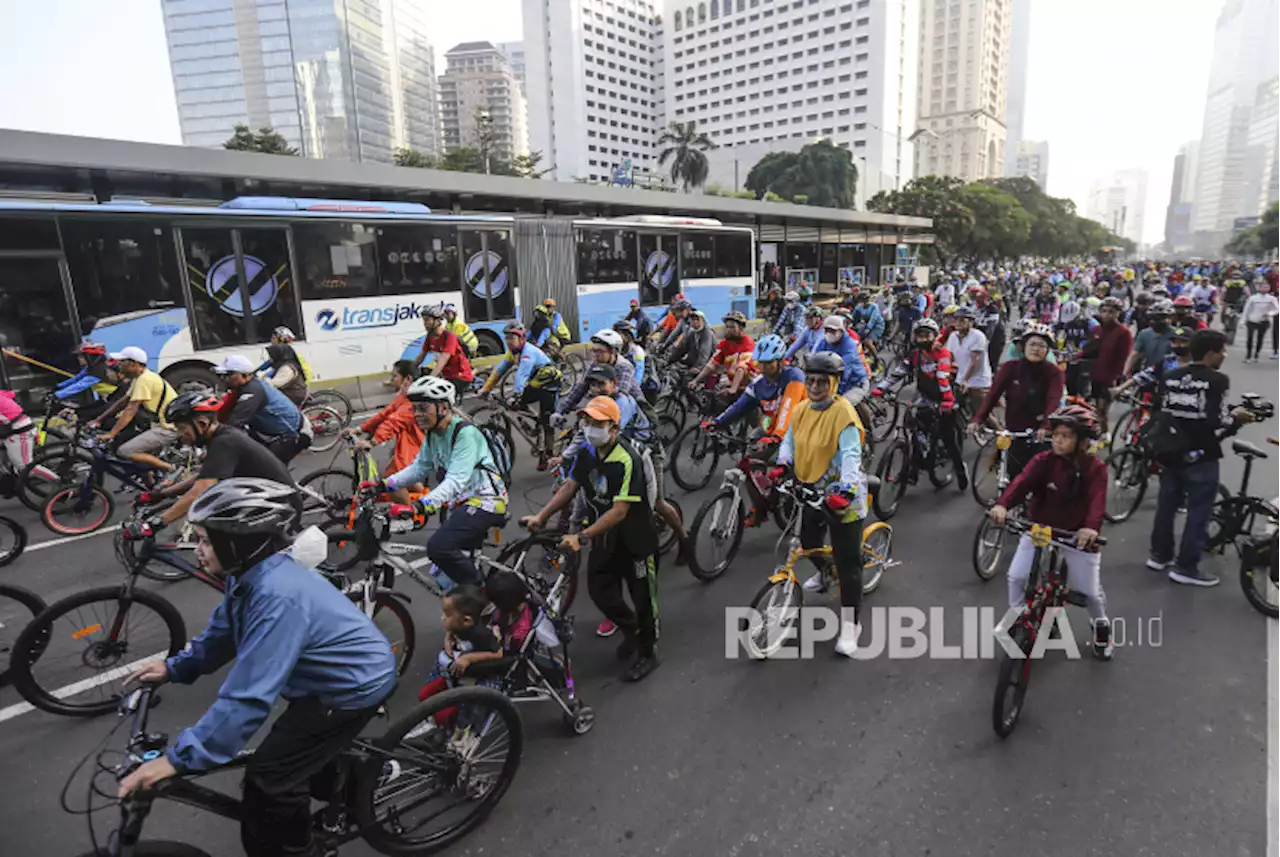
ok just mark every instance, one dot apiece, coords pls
pixel 459 329
pixel 816 435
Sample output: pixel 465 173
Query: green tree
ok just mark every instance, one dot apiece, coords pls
pixel 1269 228
pixel 267 141
pixel 820 173
pixel 462 160
pixel 938 198
pixel 998 226
pixel 526 166
pixel 406 157
pixel 685 146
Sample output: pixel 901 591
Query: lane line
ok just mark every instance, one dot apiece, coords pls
pixel 53 543
pixel 119 672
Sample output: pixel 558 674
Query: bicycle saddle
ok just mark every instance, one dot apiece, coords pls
pixel 1246 449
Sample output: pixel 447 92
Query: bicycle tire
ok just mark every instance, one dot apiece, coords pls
pixel 404 640
pixel 673 408
pixel 1120 436
pixel 707 572
pixel 326 427
pixel 983 566
pixel 884 414
pixel 577 365
pixel 893 482
pixel 1011 685
pixel 667 431
pixel 1251 578
pixel 153 570
pixel 11 548
pixel 667 537
pixel 571 560
pixel 27 603
pixel 336 502
pixel 1128 468
pixel 986 476
pixel 702 448
pixel 369 774
pixel 334 399
pixel 877 532
pixel 63 501
pixel 157 848
pixel 1228 517
pixel 61 458
pixel 34 642
pixel 341 541
pixel 778 606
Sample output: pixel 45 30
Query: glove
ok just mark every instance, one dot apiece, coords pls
pixel 770 440
pixel 776 473
pixel 838 502
pixel 558 421
pixel 878 393
pixel 141 529
pixel 372 487
pixel 707 425
pixel 147 498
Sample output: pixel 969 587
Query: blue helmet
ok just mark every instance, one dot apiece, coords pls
pixel 770 347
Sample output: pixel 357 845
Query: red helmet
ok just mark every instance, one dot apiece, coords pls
pixel 87 347
pixel 1078 415
pixel 1183 300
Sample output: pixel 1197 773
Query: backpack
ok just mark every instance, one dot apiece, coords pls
pixel 499 449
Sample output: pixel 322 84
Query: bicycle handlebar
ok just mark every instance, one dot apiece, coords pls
pixel 1067 538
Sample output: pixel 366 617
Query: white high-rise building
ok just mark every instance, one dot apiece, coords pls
pixel 964 74
pixel 1032 160
pixel 1182 194
pixel 1016 100
pixel 761 75
pixel 592 78
pixel 1260 167
pixel 479 89
pixel 1119 203
pixel 355 84
pixel 515 56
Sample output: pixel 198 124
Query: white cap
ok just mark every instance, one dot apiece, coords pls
pixel 235 363
pixel 833 322
pixel 131 352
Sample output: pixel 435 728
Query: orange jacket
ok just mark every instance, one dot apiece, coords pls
pixel 669 322
pixel 396 420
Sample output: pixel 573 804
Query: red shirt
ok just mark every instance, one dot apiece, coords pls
pixel 1064 494
pixel 1031 392
pixel 1114 345
pixel 726 353
pixel 457 366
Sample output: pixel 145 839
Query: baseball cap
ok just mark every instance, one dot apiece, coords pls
pixel 602 372
pixel 635 302
pixel 603 408
pixel 235 363
pixel 833 322
pixel 131 352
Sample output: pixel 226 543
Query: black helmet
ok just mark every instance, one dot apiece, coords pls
pixel 187 405
pixel 824 363
pixel 246 519
pixel 624 325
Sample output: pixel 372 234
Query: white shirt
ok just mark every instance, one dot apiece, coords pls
pixel 1202 294
pixel 1260 307
pixel 963 352
pixel 946 294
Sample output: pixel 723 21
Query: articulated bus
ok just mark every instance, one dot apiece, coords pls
pixel 192 285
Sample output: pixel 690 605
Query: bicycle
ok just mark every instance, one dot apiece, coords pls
pixel 511 418
pixel 326 423
pixel 369 792
pixel 1241 515
pixel 777 605
pixel 13 540
pixel 915 449
pixel 1128 430
pixel 1260 568
pixel 991 465
pixel 1046 590
pixel 18 606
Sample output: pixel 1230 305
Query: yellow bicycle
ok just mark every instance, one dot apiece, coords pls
pixel 777 605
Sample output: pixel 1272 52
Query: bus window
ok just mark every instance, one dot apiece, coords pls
pixel 606 256
pixel 418 259
pixel 733 255
pixel 271 287
pixel 35 323
pixel 215 287
pixel 697 257
pixel 488 277
pixel 28 233
pixel 336 260
pixel 658 279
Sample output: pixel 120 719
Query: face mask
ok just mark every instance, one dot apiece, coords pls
pixel 597 436
pixel 833 336
pixel 1181 351
pixel 921 345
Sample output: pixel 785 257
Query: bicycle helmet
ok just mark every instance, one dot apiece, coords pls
pixel 792 297
pixel 87 347
pixel 770 347
pixel 824 363
pixel 1162 307
pixel 283 334
pixel 735 316
pixel 624 325
pixel 1079 416
pixel 925 324
pixel 681 304
pixel 246 519
pixel 432 389
pixel 607 338
pixel 1180 332
pixel 1036 328
pixel 950 309
pixel 514 328
pixel 965 312
pixel 549 303
pixel 433 312
pixel 1183 300
pixel 1112 303
pixel 1143 298
pixel 187 405
pixel 814 312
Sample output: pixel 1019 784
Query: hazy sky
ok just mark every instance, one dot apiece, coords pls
pixel 1113 84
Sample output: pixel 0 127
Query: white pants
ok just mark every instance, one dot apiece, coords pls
pixel 1084 575
pixel 20 446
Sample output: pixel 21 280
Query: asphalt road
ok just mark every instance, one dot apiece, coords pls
pixel 1162 752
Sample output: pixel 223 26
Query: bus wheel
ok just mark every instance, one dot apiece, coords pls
pixel 488 344
pixel 192 379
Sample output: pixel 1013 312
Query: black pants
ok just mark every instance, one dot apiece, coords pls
pixel 546 400
pixel 606 578
pixel 846 547
pixel 277 797
pixel 1256 330
pixel 285 446
pixel 949 432
pixel 463 531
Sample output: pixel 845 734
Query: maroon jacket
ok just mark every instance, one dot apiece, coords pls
pixel 1016 380
pixel 1114 345
pixel 1064 494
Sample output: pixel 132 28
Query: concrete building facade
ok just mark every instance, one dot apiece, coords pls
pixel 1119 203
pixel 480 96
pixel 1032 161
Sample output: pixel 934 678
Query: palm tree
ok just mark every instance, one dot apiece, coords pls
pixel 684 146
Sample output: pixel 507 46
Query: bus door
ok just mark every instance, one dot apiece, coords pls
pixel 35 314
pixel 488 275
pixel 659 280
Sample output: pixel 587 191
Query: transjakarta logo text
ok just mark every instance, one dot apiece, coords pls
pixel 363 319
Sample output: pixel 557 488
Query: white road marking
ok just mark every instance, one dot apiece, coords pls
pixel 119 672
pixel 52 543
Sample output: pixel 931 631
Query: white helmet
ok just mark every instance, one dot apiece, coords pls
pixel 611 338
pixel 792 297
pixel 433 389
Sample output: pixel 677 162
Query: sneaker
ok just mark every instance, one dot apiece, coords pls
pixel 627 648
pixel 815 583
pixel 847 645
pixel 1157 564
pixel 641 668
pixel 606 629
pixel 1103 648
pixel 542 465
pixel 962 478
pixel 1193 578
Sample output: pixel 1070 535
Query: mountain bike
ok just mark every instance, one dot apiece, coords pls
pixel 1259 569
pixel 509 419
pixel 916 448
pixel 326 424
pixel 384 790
pixel 777 605
pixel 1128 428
pixel 1046 590
pixel 991 465
pixel 1241 515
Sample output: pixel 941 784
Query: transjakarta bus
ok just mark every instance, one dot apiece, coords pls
pixel 191 285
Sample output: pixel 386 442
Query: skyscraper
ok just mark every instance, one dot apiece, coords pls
pixel 1032 160
pixel 964 76
pixel 515 56
pixel 355 81
pixel 1182 192
pixel 1016 101
pixel 1119 203
pixel 480 98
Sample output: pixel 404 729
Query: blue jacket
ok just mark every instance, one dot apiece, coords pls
pixel 292 633
pixel 868 321
pixel 855 374
pixel 266 410
pixel 807 342
pixel 761 389
pixel 789 320
pixel 529 367
pixel 77 383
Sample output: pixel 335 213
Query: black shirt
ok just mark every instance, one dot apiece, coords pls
pixel 232 453
pixel 1196 396
pixel 619 476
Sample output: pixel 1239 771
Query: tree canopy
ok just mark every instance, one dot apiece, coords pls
pixel 468 160
pixel 819 174
pixel 267 141
pixel 684 145
pixel 1256 240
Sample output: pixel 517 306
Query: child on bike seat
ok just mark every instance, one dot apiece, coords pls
pixel 1065 488
pixel 467 639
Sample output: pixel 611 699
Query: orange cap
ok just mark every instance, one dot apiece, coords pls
pixel 603 408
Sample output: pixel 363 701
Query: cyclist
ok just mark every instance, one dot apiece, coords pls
pixel 449 358
pixel 638 317
pixel 606 348
pixel 1137 315
pixel 286 373
pixel 945 293
pixel 1184 309
pixel 1152 343
pixel 810 336
pixel 92 380
pixel 1044 306
pixel 1233 291
pixel 459 328
pixel 262 410
pixel 1204 298
pixel 867 320
pixel 471 483
pixel 732 355
pixel 292 634
pixel 1031 386
pixel 1064 488
pixel 632 350
pixel 672 318
pixel 614 481
pixel 284 336
pixel 395 421
pixel 229 453
pixel 549 332
pixel 17 432
pixel 823 448
pixel 1148 379
pixel 694 350
pixel 1108 346
pixel 969 349
pixel 790 319
pixel 141 414
pixel 905 315
pixel 988 318
pixel 682 313
pixel 856 382
pixel 537 379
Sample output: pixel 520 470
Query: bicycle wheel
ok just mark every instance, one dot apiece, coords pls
pixel 451 759
pixel 877 545
pixel 941 470
pixel 576 366
pixel 13 540
pixel 667 537
pixel 393 619
pixel 1126 430
pixel 334 488
pixel 716 535
pixel 1011 685
pixel 55 467
pixel 988 547
pixel 344 550
pixel 893 480
pixel 336 401
pixel 884 416
pixel 667 430
pixel 1258 580
pixel 1126 484
pixel 67 514
pixel 671 406
pixel 18 607
pixel 1229 518
pixel 70 660
pixel 326 426
pixel 547 563
pixel 777 616
pixel 694 458
pixel 984 482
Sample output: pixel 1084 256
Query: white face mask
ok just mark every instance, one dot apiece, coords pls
pixel 833 336
pixel 597 436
